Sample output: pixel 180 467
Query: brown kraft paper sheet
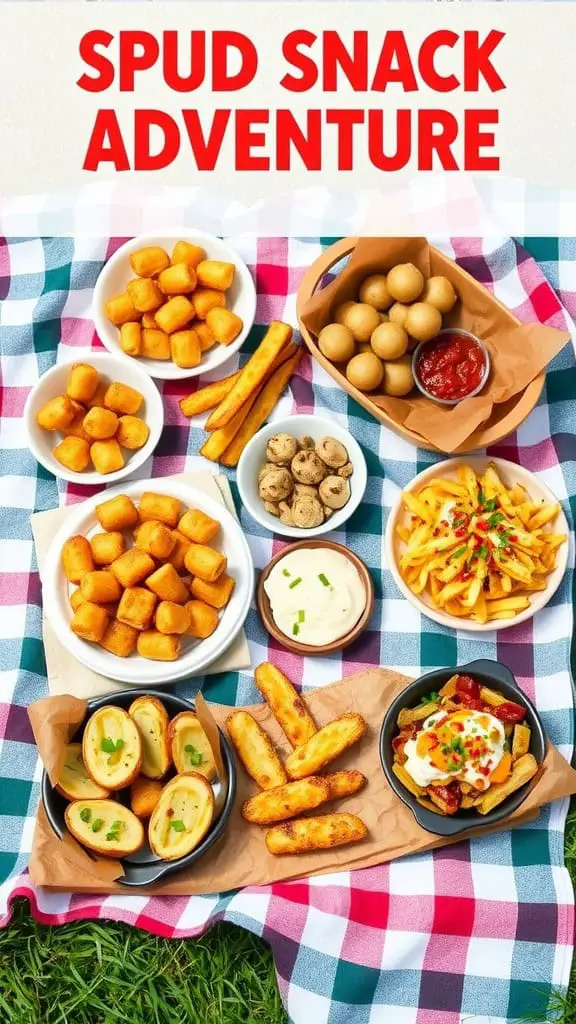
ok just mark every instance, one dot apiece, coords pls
pixel 518 352
pixel 241 857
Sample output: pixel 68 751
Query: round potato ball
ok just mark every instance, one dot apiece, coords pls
pixel 439 292
pixel 405 282
pixel 340 311
pixel 361 319
pixel 365 371
pixel 374 291
pixel 423 321
pixel 398 379
pixel 389 341
pixel 336 342
pixel 398 313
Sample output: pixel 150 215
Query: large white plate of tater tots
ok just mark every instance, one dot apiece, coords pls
pixel 148 583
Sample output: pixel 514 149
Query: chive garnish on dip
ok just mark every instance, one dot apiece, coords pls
pixel 295 583
pixel 324 580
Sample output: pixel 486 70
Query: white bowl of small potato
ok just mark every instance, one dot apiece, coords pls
pixel 54 383
pixel 215 293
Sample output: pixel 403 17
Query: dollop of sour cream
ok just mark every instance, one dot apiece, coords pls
pixel 468 746
pixel 316 595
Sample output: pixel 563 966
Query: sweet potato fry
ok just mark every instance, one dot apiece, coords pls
pixel 288 708
pixel 325 745
pixel 287 801
pixel 253 373
pixel 209 396
pixel 255 750
pixel 321 833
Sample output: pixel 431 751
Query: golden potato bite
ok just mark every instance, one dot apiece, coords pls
pixel 320 833
pixel 76 599
pixel 132 567
pixel 111 747
pixel 159 506
pixel 149 320
pixel 76 428
pixel 177 279
pixel 136 607
pixel 77 558
pixel 405 282
pixel 167 585
pixel 171 617
pixel 215 274
pixel 155 538
pixel 216 594
pixel 287 706
pixel 198 526
pixel 157 646
pixel 255 750
pixel 224 324
pixel 98 396
pixel 107 547
pixel 337 343
pixel 119 639
pixel 74 454
pixel 187 252
pixel 107 456
pixel 325 745
pixel 145 294
pixel 100 586
pixel 175 313
pixel 82 382
pixel 144 795
pixel 203 619
pixel 105 826
pixel 181 817
pixel 206 299
pixel 74 783
pixel 131 339
pixel 100 424
pixel 152 722
pixel 185 348
pixel 89 622
pixel 119 513
pixel 374 291
pixel 120 309
pixel 149 261
pixel 122 399
pixel 287 801
pixel 178 553
pixel 207 339
pixel 205 562
pixel 155 344
pixel 190 747
pixel 56 414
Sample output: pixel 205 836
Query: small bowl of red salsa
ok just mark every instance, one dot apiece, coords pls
pixel 452 366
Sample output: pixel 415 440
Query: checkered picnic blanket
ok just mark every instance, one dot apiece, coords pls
pixel 481 930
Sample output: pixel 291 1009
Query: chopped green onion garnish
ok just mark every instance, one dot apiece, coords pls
pixel 301 616
pixel 109 746
pixel 295 583
pixel 178 826
pixel 85 814
pixel 285 572
pixel 295 629
pixel 324 580
pixel 97 825
pixel 461 551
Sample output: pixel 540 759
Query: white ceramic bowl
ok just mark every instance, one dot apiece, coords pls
pixel 53 383
pixel 115 274
pixel 254 456
pixel 197 654
pixel 510 474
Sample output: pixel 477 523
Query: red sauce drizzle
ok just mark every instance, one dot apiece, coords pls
pixel 451 366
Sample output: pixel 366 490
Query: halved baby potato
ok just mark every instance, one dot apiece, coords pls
pixel 112 748
pixel 181 817
pixel 190 747
pixel 152 722
pixel 74 782
pixel 105 826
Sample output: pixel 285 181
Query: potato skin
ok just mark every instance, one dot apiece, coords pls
pixel 321 833
pixel 123 771
pixel 187 727
pixel 287 801
pixel 152 722
pixel 91 840
pixel 201 792
pixel 74 754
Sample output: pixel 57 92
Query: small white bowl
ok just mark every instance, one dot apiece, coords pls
pixel 254 456
pixel 135 670
pixel 510 474
pixel 53 383
pixel 115 274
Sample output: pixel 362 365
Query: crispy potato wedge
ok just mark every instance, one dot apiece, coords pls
pixel 409 715
pixel 74 782
pixel 287 801
pixel 112 748
pixel 345 783
pixel 325 745
pixel 407 780
pixel 181 817
pixel 523 770
pixel 144 795
pixel 520 741
pixel 190 746
pixel 287 706
pixel 491 697
pixel 321 833
pixel 152 722
pixel 255 750
pixel 105 826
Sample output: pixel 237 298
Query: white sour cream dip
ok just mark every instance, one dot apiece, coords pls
pixel 316 595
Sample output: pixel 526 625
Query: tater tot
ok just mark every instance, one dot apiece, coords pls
pixel 181 545
pixel 132 432
pixel 98 396
pixel 100 587
pixel 205 562
pixel 149 261
pixel 76 558
pixel 56 414
pixel 107 456
pixel 155 538
pixel 198 527
pixel 203 619
pixel 144 795
pixel 132 567
pixel 171 617
pixel 167 585
pixel 178 279
pixel 206 299
pixel 73 453
pixel 174 314
pixel 149 320
pixel 123 399
pixel 161 507
pixel 157 647
pixel 136 607
pixel 89 622
pixel 120 310
pixel 117 513
pixel 119 639
pixel 215 274
pixel 207 339
pixel 82 382
pixel 76 428
pixel 187 252
pixel 131 339
pixel 106 547
pixel 216 594
pixel 76 599
pixel 185 348
pixel 100 423
pixel 224 325
pixel 145 294
pixel 155 344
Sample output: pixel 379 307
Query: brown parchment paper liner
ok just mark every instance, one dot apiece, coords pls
pixel 241 858
pixel 518 352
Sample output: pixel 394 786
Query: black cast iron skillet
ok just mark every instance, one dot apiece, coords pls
pixel 143 867
pixel 498 677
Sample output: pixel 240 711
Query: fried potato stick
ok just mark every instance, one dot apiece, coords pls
pixel 523 770
pixel 209 396
pixel 321 833
pixel 253 373
pixel 345 783
pixel 328 743
pixel 287 706
pixel 255 750
pixel 287 801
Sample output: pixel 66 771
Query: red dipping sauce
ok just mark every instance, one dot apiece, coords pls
pixel 451 366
